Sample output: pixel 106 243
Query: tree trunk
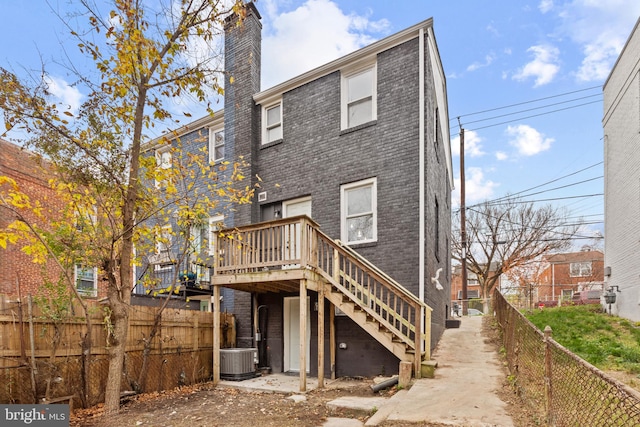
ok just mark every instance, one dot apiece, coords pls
pixel 118 343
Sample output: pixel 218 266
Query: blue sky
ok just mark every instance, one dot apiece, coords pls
pixel 523 77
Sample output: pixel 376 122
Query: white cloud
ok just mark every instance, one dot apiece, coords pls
pixel 545 6
pixel 599 57
pixel 488 59
pixel 65 94
pixel 501 155
pixel 544 66
pixel 313 34
pixel 583 21
pixel 528 140
pixel 472 144
pixel 477 187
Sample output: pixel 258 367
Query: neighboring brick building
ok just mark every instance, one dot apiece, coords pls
pixel 567 273
pixel 473 286
pixel 621 124
pixel 361 145
pixel 19 276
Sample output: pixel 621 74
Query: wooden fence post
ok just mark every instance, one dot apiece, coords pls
pixel 548 386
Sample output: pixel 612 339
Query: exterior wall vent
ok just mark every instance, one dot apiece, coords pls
pixel 607 271
pixel 238 364
pixel 262 196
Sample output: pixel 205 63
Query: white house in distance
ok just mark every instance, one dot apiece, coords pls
pixel 621 124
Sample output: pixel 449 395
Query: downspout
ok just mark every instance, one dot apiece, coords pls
pixel 421 175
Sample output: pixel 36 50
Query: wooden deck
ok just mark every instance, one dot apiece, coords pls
pixel 293 255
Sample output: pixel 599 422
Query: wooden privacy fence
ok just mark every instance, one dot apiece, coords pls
pixel 42 358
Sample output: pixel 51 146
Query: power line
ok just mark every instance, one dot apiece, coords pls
pixel 526 102
pixel 533 109
pixel 562 186
pixel 535 115
pixel 511 196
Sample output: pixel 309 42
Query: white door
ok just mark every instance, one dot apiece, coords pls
pixel 292 334
pixel 292 235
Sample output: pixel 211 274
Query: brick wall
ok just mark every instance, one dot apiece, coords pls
pixel 18 274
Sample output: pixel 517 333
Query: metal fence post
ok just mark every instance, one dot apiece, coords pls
pixel 548 386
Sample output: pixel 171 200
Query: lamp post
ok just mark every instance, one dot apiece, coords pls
pixel 610 296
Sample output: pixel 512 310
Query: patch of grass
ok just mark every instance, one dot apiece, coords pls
pixel 607 342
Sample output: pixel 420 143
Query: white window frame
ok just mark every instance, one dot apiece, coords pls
pixel 344 191
pixel 162 247
pixel 214 225
pixel 160 157
pixel 346 75
pixel 160 160
pixel 76 277
pixel 584 269
pixel 213 132
pixel 266 127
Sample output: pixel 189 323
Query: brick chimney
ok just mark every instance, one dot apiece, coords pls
pixel 242 51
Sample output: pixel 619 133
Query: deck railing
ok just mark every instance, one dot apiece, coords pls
pixel 297 242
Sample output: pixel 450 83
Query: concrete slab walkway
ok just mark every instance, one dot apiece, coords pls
pixel 464 390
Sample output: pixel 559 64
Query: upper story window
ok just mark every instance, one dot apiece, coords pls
pixel 86 280
pixel 216 145
pixel 272 123
pixel 163 158
pixel 164 161
pixel 164 241
pixel 358 95
pixel 580 269
pixel 436 131
pixel 359 212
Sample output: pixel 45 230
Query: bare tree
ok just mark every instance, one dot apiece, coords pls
pixel 506 234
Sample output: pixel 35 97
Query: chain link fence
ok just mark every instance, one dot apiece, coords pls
pixel 563 389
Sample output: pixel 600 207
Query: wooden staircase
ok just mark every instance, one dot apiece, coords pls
pixel 278 255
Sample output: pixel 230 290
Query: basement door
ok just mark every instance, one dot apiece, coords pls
pixel 292 334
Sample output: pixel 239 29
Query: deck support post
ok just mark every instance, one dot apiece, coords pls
pixel 303 334
pixel 417 342
pixel 321 287
pixel 216 334
pixel 332 339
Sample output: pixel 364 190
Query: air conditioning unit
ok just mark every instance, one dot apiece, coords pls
pixel 238 364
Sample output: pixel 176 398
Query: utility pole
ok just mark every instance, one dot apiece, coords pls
pixel 463 226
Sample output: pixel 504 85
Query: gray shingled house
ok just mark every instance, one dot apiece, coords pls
pixel 359 221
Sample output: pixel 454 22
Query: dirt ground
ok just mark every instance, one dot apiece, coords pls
pixel 204 405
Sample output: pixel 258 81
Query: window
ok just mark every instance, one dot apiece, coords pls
pixel 163 158
pixel 436 238
pixel 163 161
pixel 164 239
pixel 216 145
pixel 471 294
pixel 580 269
pixel 195 234
pixel 86 280
pixel 436 132
pixel 358 96
pixel 359 212
pixel 272 119
pixel 215 223
pixel 566 294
